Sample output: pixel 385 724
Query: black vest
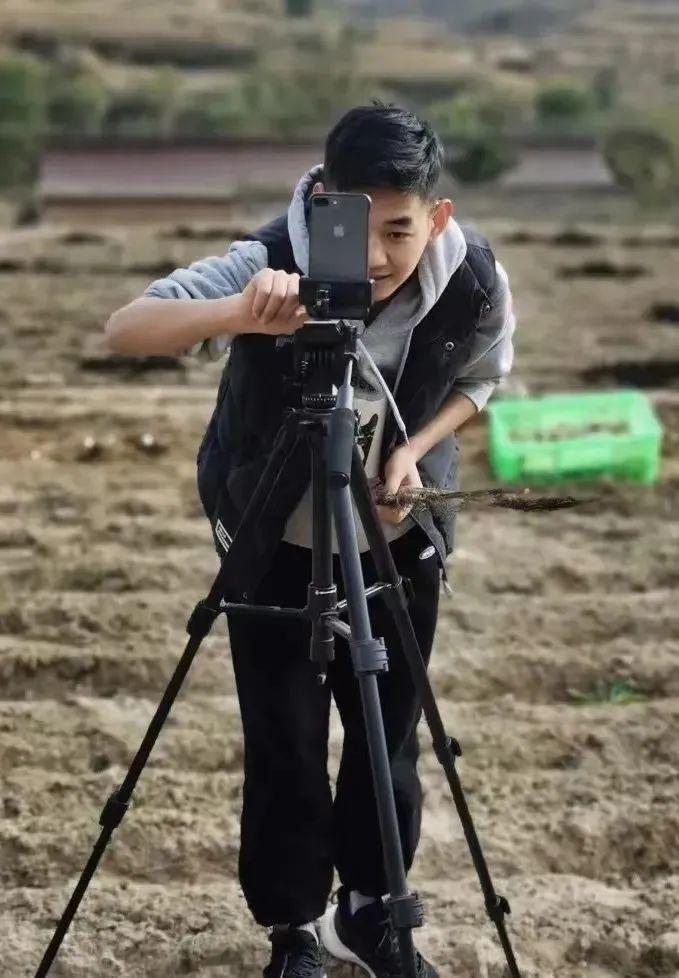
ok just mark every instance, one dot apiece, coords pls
pixel 251 404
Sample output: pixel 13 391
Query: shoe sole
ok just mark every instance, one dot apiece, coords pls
pixel 334 946
pixel 324 975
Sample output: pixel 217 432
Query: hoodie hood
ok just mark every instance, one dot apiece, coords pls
pixel 398 318
pixel 439 262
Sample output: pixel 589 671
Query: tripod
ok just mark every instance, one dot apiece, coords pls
pixel 327 422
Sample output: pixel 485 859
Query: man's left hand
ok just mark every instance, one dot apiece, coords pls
pixel 400 471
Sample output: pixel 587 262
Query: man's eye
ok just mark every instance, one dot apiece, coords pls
pixel 399 235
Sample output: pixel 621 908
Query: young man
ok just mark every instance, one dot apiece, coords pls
pixel 438 339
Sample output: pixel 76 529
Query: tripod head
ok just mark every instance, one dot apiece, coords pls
pixel 317 352
pixel 336 288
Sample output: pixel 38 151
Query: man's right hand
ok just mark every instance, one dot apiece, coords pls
pixel 271 303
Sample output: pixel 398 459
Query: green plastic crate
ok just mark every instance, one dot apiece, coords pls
pixel 539 439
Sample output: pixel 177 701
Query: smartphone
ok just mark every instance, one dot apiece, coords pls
pixel 338 237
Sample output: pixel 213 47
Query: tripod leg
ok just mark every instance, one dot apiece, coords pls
pixel 228 580
pixel 369 658
pixel 241 568
pixel 446 748
pixel 198 626
pixel 322 591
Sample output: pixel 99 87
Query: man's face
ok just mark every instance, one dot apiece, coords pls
pixel 401 226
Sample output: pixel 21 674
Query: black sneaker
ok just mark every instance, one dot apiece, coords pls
pixel 367 939
pixel 295 954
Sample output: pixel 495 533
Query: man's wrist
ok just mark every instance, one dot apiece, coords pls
pixel 417 446
pixel 229 316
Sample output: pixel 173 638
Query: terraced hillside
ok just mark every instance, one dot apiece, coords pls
pixel 419 54
pixel 104 553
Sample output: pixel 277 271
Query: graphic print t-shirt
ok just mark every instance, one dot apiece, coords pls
pixel 388 344
pixel 372 411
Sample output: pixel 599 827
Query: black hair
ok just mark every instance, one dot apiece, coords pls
pixel 383 145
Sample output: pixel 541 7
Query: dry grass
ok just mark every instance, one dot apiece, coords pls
pixel 400 62
pixel 84 21
pixel 523 501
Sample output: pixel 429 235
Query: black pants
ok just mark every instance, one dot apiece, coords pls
pixel 292 832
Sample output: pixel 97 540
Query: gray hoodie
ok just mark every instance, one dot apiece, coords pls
pixel 221 275
pixel 384 344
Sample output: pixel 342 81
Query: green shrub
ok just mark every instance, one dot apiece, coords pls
pixel 212 112
pixel 147 109
pixel 320 85
pixel 606 88
pixel 457 116
pixel 642 160
pixel 76 102
pixel 133 114
pixel 563 102
pixel 474 113
pixel 22 117
pixel 299 8
pixel 481 159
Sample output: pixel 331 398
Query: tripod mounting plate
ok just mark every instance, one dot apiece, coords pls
pixel 336 299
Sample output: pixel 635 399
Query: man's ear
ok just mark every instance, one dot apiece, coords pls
pixel 440 216
pixel 318 188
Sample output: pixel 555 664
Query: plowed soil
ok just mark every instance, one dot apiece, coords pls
pixel 105 552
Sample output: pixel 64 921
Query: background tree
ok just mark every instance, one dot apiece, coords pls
pixel 482 109
pixel 146 108
pixel 481 159
pixel 606 88
pixel 77 98
pixel 563 102
pixel 299 8
pixel 22 117
pixel 300 92
pixel 216 111
pixel 643 160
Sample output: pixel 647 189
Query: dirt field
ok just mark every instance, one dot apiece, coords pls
pixel 105 552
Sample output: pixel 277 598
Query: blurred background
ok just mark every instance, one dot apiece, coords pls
pixel 546 107
pixel 137 138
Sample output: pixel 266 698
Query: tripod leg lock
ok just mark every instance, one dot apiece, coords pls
pixel 400 595
pixel 201 620
pixel 497 909
pixel 113 812
pixel 406 911
pixel 451 746
pixel 321 600
pixel 369 655
pixel 342 432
